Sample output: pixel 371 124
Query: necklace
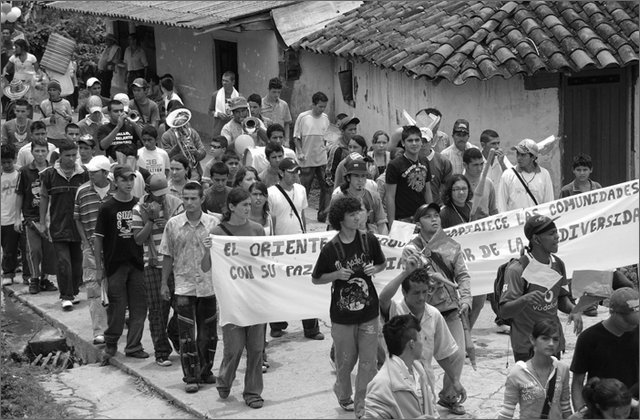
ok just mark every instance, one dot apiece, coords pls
pixel 530 180
pixel 541 378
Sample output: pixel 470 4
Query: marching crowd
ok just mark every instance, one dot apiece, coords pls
pixel 124 200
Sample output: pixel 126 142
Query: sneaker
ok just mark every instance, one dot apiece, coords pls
pixel 47 286
pixel 7 281
pixel 318 336
pixel 163 361
pixel 140 354
pixel 191 388
pixel 76 300
pixel 257 403
pixel 454 407
pixel 34 286
pixel 98 339
pixel 67 305
pixel 347 405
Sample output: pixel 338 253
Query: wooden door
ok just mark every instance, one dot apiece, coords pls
pixel 226 56
pixel 596 121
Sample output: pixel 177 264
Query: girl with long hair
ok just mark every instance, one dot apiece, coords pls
pixel 456 197
pixel 180 173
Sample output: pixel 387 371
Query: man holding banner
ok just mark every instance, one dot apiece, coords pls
pixel 535 287
pixel 348 262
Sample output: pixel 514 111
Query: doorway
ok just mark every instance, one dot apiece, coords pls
pixel 226 59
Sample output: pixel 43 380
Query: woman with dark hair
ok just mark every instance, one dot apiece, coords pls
pixel 456 196
pixel 180 173
pixel 260 207
pixel 357 145
pixel 379 153
pixel 540 386
pixel 245 177
pixel 236 222
pixel 606 398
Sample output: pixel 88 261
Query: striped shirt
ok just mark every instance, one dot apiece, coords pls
pixel 87 205
pixel 173 206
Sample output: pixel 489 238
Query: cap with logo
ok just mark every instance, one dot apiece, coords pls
pixel 538 224
pixel 238 103
pixel 527 146
pixel 87 139
pixel 288 165
pixel 122 171
pixel 624 300
pixel 461 126
pixel 356 166
pixel 99 163
pixel 158 185
pixel 423 210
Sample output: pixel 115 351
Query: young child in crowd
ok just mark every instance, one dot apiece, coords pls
pixel 232 160
pixel 582 170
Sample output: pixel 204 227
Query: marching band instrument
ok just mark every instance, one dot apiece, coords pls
pixel 250 124
pixel 134 116
pixel 178 120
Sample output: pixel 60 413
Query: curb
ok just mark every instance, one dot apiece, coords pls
pixel 88 352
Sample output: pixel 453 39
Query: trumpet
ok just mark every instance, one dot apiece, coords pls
pixel 133 115
pixel 250 125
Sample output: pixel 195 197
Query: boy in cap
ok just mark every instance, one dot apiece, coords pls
pixel 340 149
pixel 89 198
pixel 374 217
pixel 146 108
pixel 239 108
pixel 450 294
pixel 86 146
pixel 528 184
pixel 60 183
pixel 39 250
pixel 460 144
pixel 56 113
pixel 609 349
pixel 119 262
pixel 94 87
pixel 93 120
pixel 150 216
pixel 536 286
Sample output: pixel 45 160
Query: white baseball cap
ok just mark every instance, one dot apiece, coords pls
pixel 124 98
pixel 99 163
pixel 92 81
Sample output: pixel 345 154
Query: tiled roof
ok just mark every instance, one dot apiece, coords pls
pixel 186 14
pixel 458 40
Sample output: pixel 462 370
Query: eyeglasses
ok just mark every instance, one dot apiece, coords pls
pixel 464 189
pixel 216 147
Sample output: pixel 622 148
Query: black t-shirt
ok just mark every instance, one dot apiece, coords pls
pixel 411 179
pixel 353 301
pixel 600 353
pixel 126 139
pixel 114 224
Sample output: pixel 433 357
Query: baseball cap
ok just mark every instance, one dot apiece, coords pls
pixel 237 103
pixel 527 146
pixel 422 211
pixel 461 125
pixel 124 98
pixel 99 163
pixel 87 139
pixel 356 166
pixel 343 123
pixel 94 104
pixel 92 81
pixel 538 224
pixel 122 171
pixel 624 300
pixel 158 185
pixel 288 164
pixel 54 84
pixel 139 82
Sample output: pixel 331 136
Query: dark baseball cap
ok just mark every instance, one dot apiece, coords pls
pixel 288 164
pixel 356 166
pixel 461 125
pixel 538 224
pixel 122 171
pixel 422 211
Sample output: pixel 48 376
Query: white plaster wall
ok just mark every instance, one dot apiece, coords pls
pixel 316 76
pixel 498 104
pixel 257 61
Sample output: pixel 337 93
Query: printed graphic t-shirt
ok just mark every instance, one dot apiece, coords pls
pixel 411 179
pixel 114 224
pixel 353 301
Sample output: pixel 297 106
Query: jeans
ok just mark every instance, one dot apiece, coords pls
pixel 197 352
pixel 10 240
pixel 311 326
pixel 97 312
pixel 40 253
pixel 355 343
pixel 306 179
pixel 69 272
pixel 126 288
pixel 236 339
pixel 158 311
pixel 454 323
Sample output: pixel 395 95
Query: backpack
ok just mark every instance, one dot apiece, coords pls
pixel 337 245
pixel 498 286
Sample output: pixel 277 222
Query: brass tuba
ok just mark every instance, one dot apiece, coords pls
pixel 178 119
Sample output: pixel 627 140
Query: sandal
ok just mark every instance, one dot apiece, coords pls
pixel 257 403
pixel 454 407
pixel 348 405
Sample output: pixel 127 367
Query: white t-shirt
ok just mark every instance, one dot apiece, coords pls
pixel 311 131
pixel 155 161
pixel 25 157
pixel 286 221
pixel 9 183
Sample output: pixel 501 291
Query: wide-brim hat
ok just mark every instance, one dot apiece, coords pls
pixel 178 117
pixel 16 89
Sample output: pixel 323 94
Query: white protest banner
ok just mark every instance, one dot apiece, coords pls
pixel 267 279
